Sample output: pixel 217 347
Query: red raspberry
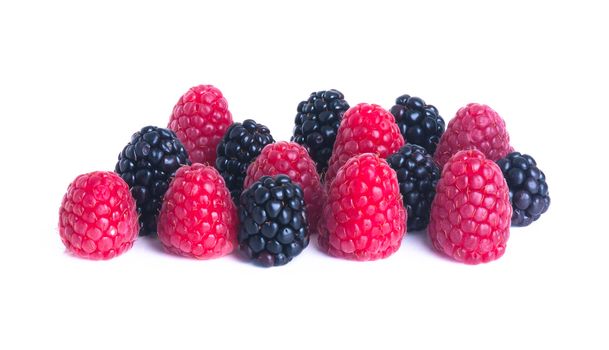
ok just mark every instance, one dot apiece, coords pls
pixel 293 160
pixel 364 217
pixel 198 218
pixel 478 127
pixel 364 128
pixel 471 213
pixel 98 217
pixel 200 119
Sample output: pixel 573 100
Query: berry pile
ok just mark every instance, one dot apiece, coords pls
pixel 355 180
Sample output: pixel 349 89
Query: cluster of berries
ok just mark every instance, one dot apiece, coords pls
pixel 359 177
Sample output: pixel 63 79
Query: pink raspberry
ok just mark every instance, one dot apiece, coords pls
pixel 98 217
pixel 364 217
pixel 198 218
pixel 471 213
pixel 478 127
pixel 365 128
pixel 200 119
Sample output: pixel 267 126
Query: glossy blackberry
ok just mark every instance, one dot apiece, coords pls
pixel 419 123
pixel 317 122
pixel 147 164
pixel 273 226
pixel 418 176
pixel 528 188
pixel 241 144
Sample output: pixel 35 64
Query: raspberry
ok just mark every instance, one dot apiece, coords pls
pixel 528 188
pixel 364 218
pixel 200 119
pixel 198 218
pixel 418 176
pixel 147 164
pixel 470 215
pixel 478 127
pixel 241 144
pixel 419 123
pixel 97 218
pixel 273 222
pixel 317 122
pixel 291 159
pixel 365 128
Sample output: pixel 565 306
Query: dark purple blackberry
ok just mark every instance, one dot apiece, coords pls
pixel 273 226
pixel 528 188
pixel 317 122
pixel 418 176
pixel 241 144
pixel 419 123
pixel 147 164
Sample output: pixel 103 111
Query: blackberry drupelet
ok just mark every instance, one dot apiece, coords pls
pixel 147 164
pixel 418 176
pixel 317 122
pixel 419 123
pixel 241 144
pixel 273 226
pixel 528 188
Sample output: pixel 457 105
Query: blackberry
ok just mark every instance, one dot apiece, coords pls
pixel 528 188
pixel 418 176
pixel 273 226
pixel 419 123
pixel 241 144
pixel 317 122
pixel 147 164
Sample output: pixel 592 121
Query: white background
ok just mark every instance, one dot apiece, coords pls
pixel 77 79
